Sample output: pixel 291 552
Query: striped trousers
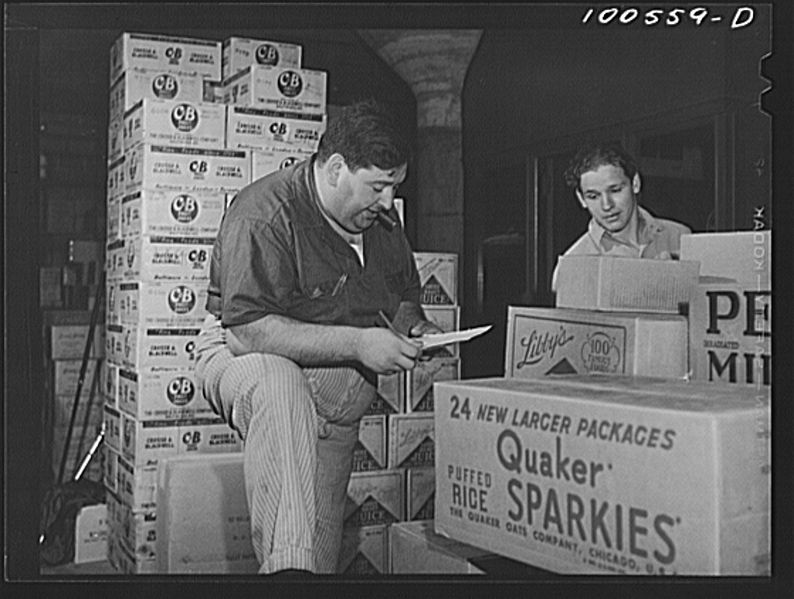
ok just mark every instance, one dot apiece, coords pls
pixel 299 427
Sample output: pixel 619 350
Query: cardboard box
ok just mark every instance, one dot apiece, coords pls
pixel 114 342
pixel 62 408
pixel 438 276
pixel 162 393
pixel 448 319
pixel 417 549
pixel 139 50
pixel 110 468
pixel 564 473
pixel 177 213
pixel 146 347
pixel 91 534
pixel 135 84
pixel 370 450
pixel 137 485
pixel 172 123
pixel 168 259
pixel 419 381
pixel 138 532
pixel 67 341
pixel 66 374
pixel 210 490
pixel 624 284
pixel 145 442
pixel 160 304
pixel 278 156
pixel 374 498
pixel 173 168
pixel 238 53
pixel 115 258
pixel 390 394
pixel 262 129
pixel 113 228
pixel 287 90
pixel 730 332
pixel 543 341
pixel 741 255
pixel 116 184
pixel 112 420
pixel 420 493
pixel 115 147
pixel 365 551
pixel 124 561
pixel 411 440
pixel 109 382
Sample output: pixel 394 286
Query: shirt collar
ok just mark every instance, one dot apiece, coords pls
pixel 647 229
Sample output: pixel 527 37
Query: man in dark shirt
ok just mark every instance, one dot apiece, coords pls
pixel 290 355
pixel 607 183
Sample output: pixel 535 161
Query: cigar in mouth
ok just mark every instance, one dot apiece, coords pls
pixel 387 221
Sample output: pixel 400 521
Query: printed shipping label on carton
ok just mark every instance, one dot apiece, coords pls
pixel 238 53
pixel 419 381
pixel 110 382
pixel 278 156
pixel 67 341
pixel 145 442
pixel 275 88
pixel 159 347
pixel 364 551
pixel 161 393
pixel 175 213
pixel 370 450
pixel 138 532
pixel 115 178
pixel 411 440
pixel 211 490
pixel 168 259
pixel 374 498
pixel 448 319
pixel 420 493
pixel 115 258
pixel 262 129
pixel 110 469
pixel 173 123
pixel 173 168
pixel 744 256
pixel 135 84
pixel 438 276
pixel 115 139
pixel 137 485
pixel 112 418
pixel 590 474
pixel 167 305
pixel 114 343
pixel 415 548
pixel 113 229
pixel 624 284
pixel 544 341
pixel 66 374
pixel 138 50
pixel 730 332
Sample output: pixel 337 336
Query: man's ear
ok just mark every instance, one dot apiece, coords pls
pixel 636 183
pixel 580 197
pixel 333 168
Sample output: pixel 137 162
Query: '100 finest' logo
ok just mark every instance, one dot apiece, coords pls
pixel 600 353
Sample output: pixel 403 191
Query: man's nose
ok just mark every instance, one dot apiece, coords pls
pixel 606 202
pixel 386 198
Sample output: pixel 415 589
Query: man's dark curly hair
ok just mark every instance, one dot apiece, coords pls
pixel 366 135
pixel 591 156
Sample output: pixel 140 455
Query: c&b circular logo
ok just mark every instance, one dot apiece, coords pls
pixel 165 86
pixel 180 391
pixel 266 54
pixel 290 83
pixel 600 353
pixel 185 117
pixel 184 208
pixel 288 162
pixel 181 299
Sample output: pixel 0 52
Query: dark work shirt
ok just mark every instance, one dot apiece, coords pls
pixel 277 254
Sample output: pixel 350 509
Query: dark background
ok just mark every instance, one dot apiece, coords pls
pixel 539 83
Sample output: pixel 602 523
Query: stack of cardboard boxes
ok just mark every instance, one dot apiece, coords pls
pixel 393 477
pixel 665 471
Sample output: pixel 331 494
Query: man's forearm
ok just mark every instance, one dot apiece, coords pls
pixel 305 343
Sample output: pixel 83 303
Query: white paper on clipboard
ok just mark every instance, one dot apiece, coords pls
pixel 438 339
